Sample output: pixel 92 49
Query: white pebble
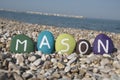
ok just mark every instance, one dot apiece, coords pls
pixel 72 56
pixel 37 62
pixel 67 68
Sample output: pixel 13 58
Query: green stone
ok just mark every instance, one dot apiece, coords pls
pixel 65 43
pixel 21 44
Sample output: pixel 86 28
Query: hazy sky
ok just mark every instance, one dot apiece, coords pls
pixel 107 9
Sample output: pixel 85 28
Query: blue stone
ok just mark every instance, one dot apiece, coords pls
pixel 103 44
pixel 46 42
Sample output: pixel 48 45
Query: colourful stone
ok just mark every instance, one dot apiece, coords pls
pixel 103 44
pixel 65 43
pixel 22 44
pixel 83 47
pixel 46 42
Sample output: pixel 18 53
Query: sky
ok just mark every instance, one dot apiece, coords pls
pixel 105 9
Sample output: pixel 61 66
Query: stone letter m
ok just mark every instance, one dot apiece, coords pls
pixel 24 42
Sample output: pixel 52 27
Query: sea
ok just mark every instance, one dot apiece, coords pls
pixel 63 21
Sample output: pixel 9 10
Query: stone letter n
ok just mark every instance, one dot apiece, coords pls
pixel 24 42
pixel 101 43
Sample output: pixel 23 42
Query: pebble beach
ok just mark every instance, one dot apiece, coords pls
pixel 38 66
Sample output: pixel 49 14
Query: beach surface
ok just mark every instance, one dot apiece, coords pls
pixel 37 66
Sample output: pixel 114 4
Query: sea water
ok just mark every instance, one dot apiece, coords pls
pixel 61 21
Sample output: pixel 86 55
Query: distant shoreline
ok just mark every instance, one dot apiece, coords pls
pixel 47 14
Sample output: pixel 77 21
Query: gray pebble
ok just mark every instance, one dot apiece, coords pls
pixel 32 58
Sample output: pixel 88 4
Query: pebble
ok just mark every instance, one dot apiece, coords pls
pixel 43 57
pixel 106 78
pixel 95 70
pixel 60 65
pixel 32 58
pixel 116 64
pixel 86 79
pixel 56 75
pixel 67 68
pixel 17 77
pixel 47 64
pixel 71 61
pixel 107 55
pixel 3 76
pixel 104 62
pixel 20 59
pixel 72 56
pixel 26 75
pixel 118 56
pixel 37 62
pixel 39 53
pixel 53 60
pixel 12 66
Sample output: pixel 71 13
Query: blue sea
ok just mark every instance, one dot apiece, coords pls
pixel 59 21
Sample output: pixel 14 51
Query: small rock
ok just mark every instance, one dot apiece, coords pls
pixel 106 69
pixel 86 78
pixel 60 65
pixel 72 56
pixel 53 60
pixel 95 70
pixel 3 76
pixel 17 77
pixel 82 73
pixel 33 67
pixel 65 60
pixel 26 75
pixel 12 66
pixel 71 61
pixel 115 77
pixel 20 59
pixel 106 55
pixel 32 58
pixel 67 68
pixel 118 56
pixel 56 75
pixel 43 57
pixel 104 62
pixel 74 69
pixel 37 62
pixel 65 78
pixel 106 78
pixel 49 72
pixel 39 53
pixel 42 71
pixel 116 64
pixel 47 65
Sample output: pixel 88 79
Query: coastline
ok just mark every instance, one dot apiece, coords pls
pixel 85 67
pixel 47 14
